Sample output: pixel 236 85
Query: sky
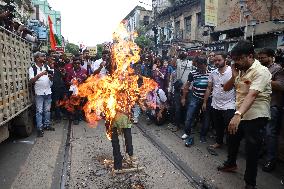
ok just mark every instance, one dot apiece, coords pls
pixel 91 22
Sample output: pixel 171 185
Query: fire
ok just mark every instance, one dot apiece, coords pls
pixel 118 92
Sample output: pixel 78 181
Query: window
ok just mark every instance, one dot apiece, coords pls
pixel 146 20
pixel 177 26
pixel 199 19
pixel 187 22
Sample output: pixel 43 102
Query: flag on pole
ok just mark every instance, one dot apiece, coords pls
pixel 51 34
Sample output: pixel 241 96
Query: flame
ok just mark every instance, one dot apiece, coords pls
pixel 117 92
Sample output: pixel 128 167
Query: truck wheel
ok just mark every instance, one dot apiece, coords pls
pixel 23 124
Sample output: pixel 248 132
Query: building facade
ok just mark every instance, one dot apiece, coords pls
pixel 260 21
pixel 137 18
pixel 181 22
pixel 55 16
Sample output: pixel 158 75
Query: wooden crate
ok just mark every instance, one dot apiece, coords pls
pixel 15 60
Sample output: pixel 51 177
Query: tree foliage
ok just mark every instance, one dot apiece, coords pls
pixel 72 48
pixel 99 50
pixel 142 41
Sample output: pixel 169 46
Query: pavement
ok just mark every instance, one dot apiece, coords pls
pixel 90 146
pixel 35 163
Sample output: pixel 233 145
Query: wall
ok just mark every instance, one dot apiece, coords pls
pixel 229 12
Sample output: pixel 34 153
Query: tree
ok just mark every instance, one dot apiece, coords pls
pixel 142 41
pixel 99 50
pixel 72 48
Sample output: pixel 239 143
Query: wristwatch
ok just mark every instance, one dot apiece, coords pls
pixel 239 113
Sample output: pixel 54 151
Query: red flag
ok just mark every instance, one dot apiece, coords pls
pixel 51 34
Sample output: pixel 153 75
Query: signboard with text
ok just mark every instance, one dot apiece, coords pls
pixel 210 12
pixel 280 42
pixel 59 49
pixel 92 51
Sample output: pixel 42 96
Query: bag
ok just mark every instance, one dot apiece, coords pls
pixel 178 83
pixel 35 69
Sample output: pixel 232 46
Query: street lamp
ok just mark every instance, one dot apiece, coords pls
pixel 246 13
pixel 253 23
pixel 243 4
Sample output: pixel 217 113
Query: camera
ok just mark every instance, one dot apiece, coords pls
pixel 49 72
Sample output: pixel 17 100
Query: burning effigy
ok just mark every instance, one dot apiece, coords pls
pixel 112 97
pixel 118 92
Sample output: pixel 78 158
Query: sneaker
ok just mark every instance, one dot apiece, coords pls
pixel 49 128
pixel 184 136
pixel 203 139
pixel 189 142
pixel 135 120
pixel 227 167
pixel 40 133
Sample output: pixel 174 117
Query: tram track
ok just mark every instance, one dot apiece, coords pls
pixel 195 180
pixel 66 158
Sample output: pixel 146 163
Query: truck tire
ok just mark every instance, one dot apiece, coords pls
pixel 23 124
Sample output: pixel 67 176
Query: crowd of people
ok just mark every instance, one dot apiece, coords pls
pixel 237 94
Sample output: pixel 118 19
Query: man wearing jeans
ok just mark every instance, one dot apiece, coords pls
pixel 199 80
pixel 266 57
pixel 41 79
pixel 253 89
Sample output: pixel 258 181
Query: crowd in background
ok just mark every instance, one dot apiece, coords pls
pixel 192 91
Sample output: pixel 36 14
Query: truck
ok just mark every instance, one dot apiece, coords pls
pixel 15 92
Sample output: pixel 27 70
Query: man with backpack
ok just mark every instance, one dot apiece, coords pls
pixel 40 76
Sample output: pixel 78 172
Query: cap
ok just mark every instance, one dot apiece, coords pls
pixel 38 54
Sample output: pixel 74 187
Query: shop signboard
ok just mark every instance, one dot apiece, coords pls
pixel 92 51
pixel 217 47
pixel 210 12
pixel 280 42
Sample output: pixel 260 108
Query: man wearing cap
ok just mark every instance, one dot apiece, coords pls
pixel 199 80
pixel 41 79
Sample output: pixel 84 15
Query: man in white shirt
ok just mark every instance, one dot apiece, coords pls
pixel 40 76
pixel 102 65
pixel 223 102
pixel 183 68
pixel 156 104
pixel 87 62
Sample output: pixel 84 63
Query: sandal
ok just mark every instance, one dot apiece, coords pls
pixel 215 146
pixel 212 151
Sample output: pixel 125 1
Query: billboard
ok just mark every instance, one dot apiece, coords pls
pixel 210 12
pixel 280 42
pixel 92 51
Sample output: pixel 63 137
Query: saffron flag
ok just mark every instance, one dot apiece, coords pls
pixel 51 34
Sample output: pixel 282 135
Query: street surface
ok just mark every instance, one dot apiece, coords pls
pixel 35 163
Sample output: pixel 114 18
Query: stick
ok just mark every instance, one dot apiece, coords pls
pixel 121 171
